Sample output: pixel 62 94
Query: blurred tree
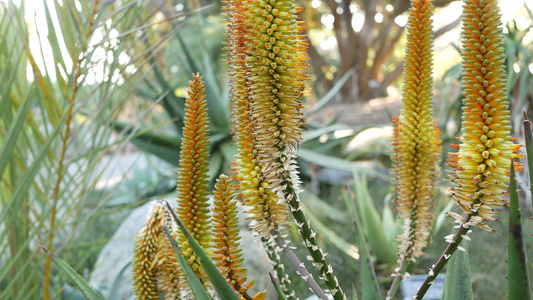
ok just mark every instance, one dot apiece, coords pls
pixel 366 33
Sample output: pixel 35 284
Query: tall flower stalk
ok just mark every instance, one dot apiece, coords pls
pixel 267 40
pixel 226 251
pixel 145 250
pixel 417 146
pixel 481 167
pixel 193 181
pixel 262 205
pixel 415 140
pixel 481 174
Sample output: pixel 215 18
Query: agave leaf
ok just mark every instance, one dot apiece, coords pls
pixel 332 237
pixel 517 276
pixel 330 94
pixel 323 209
pixel 354 293
pixel 228 150
pixel 196 286
pixel 529 151
pixel 369 281
pixel 330 147
pixel 457 284
pixel 220 284
pixel 382 247
pixel 115 287
pixel 216 161
pixel 163 146
pixel 316 133
pixel 174 106
pixel 388 223
pixel 441 217
pixel 338 163
pixel 218 111
pixel 85 288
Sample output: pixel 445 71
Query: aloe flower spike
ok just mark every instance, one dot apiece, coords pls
pixel 193 207
pixel 145 249
pixel 416 143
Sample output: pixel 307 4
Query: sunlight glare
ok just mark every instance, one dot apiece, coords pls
pixel 358 20
pixel 378 17
pixel 78 5
pixel 401 20
pixel 327 20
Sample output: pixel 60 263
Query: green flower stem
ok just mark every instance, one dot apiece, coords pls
pixel 300 267
pixel 279 268
pixel 396 282
pixel 278 287
pixel 309 238
pixel 450 250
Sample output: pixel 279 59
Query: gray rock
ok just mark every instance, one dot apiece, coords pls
pixel 113 263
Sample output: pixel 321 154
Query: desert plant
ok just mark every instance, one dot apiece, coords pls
pixel 266 50
pixel 65 77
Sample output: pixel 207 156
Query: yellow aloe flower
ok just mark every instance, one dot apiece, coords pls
pixel 226 252
pixel 276 59
pixel 170 277
pixel 254 191
pixel 415 139
pixel 169 273
pixel 145 249
pixel 270 45
pixel 260 296
pixel 482 165
pixel 193 207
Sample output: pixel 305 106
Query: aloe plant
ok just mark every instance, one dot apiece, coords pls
pixel 481 167
pixel 178 254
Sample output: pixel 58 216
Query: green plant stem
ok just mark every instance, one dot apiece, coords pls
pixel 47 270
pixel 529 150
pixel 278 266
pixel 399 276
pixel 300 267
pixel 277 286
pixel 448 252
pixel 309 237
